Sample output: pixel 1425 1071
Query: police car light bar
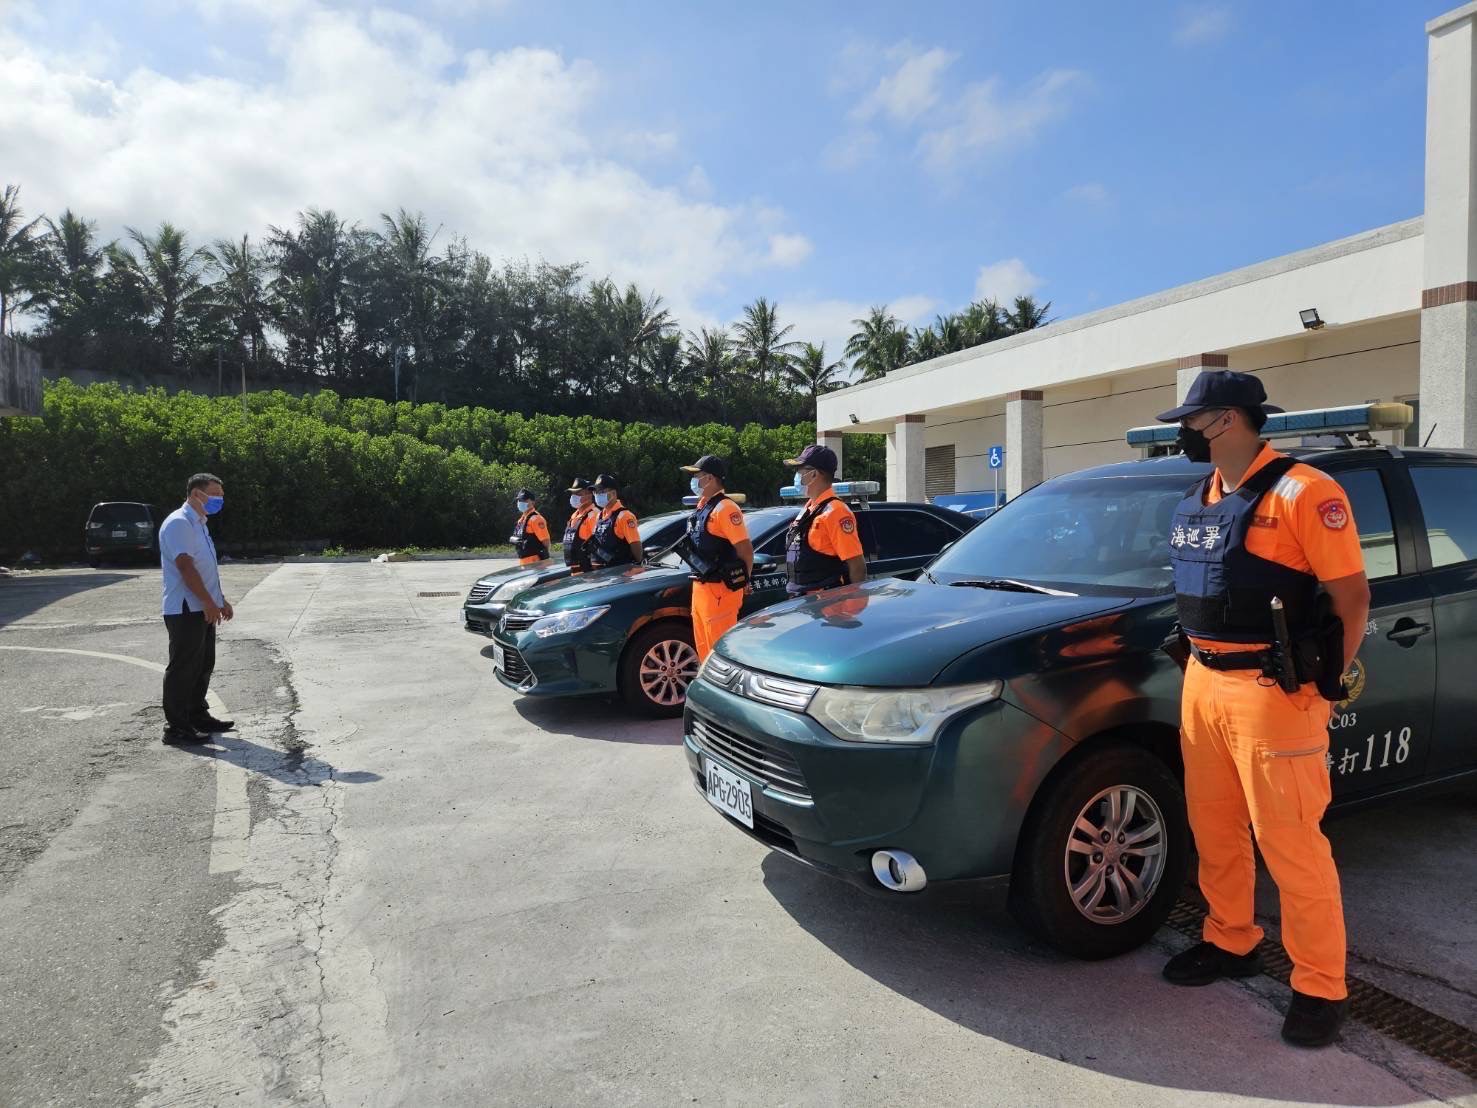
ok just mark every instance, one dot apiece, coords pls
pixel 736 497
pixel 1349 420
pixel 842 489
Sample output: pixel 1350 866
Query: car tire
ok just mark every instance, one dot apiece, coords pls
pixel 1093 899
pixel 656 669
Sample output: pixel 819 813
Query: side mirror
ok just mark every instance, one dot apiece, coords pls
pixel 764 559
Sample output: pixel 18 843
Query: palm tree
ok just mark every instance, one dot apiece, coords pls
pixel 812 374
pixel 17 256
pixel 710 358
pixel 412 277
pixel 762 342
pixel 242 293
pixel 313 291
pixel 981 322
pixel 73 263
pixel 168 277
pixel 1027 315
pixel 880 345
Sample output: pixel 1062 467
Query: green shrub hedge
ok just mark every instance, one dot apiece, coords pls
pixel 353 472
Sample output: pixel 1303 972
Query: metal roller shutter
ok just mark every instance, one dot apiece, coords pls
pixel 938 471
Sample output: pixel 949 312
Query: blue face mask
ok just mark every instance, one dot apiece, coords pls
pixel 602 498
pixel 697 487
pixel 214 504
pixel 523 505
pixel 575 501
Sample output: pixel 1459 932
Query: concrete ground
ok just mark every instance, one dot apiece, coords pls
pixel 397 883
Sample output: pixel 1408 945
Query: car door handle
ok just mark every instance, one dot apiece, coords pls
pixel 1407 631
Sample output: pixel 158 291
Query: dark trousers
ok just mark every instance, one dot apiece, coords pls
pixel 191 662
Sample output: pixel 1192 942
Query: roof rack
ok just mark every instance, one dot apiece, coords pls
pixel 1353 424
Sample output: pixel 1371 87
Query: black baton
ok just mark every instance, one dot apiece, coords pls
pixel 1283 647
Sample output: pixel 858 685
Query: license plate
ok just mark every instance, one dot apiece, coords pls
pixel 499 658
pixel 728 792
pixel 120 534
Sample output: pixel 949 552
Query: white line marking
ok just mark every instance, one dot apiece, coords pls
pixel 230 833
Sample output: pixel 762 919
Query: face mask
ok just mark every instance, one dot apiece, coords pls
pixel 697 486
pixel 214 504
pixel 574 501
pixel 602 498
pixel 1195 445
pixel 799 484
pixel 523 505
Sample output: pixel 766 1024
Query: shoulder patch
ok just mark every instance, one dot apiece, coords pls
pixel 1289 488
pixel 848 525
pixel 1334 514
pixel 736 518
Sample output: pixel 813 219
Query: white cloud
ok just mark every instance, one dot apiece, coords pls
pixel 1093 194
pixel 789 250
pixel 909 90
pixel 365 112
pixel 986 116
pixel 830 320
pixel 1202 23
pixel 1003 281
pixel 849 151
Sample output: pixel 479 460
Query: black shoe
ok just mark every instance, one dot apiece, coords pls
pixel 210 725
pixel 1206 962
pixel 1312 1020
pixel 183 736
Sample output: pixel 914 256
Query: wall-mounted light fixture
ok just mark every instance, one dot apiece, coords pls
pixel 853 418
pixel 1310 319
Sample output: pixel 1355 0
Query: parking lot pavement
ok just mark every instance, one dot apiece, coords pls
pixel 436 892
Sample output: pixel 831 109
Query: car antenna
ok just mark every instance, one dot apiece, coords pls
pixel 1429 433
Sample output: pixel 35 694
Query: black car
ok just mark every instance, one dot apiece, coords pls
pixel 122 529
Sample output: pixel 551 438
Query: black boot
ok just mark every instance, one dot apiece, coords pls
pixel 1312 1020
pixel 210 725
pixel 1206 962
pixel 183 736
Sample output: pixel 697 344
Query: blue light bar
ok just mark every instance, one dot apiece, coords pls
pixel 1346 420
pixel 842 489
pixel 736 497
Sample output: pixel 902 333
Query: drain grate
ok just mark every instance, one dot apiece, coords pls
pixel 438 594
pixel 1435 1036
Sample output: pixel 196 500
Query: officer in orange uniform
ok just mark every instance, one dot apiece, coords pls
pixel 822 549
pixel 530 537
pixel 580 529
pixel 720 553
pixel 1262 527
pixel 616 541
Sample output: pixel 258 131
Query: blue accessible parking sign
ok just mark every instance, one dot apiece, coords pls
pixel 997 457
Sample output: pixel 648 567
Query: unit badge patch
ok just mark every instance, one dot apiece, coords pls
pixel 736 519
pixel 848 525
pixel 1334 515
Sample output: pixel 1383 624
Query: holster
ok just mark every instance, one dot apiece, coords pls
pixel 1319 655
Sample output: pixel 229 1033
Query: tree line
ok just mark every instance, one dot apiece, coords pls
pixel 400 311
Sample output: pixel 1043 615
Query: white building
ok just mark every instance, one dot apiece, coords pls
pixel 1399 307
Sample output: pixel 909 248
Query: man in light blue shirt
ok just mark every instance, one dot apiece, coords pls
pixel 193 606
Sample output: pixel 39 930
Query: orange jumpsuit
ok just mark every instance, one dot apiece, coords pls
pixel 715 607
pixel 1256 755
pixel 535 525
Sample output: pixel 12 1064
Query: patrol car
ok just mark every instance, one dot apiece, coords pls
pixel 628 630
pixel 1013 715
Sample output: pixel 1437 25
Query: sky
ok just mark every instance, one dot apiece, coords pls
pixel 828 156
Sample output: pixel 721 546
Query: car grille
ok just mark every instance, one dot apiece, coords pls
pixel 479 593
pixel 515 669
pixel 513 622
pixel 773 767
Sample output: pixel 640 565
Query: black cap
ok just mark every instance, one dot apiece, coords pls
pixel 1221 388
pixel 818 457
pixel 524 494
pixel 605 481
pixel 579 484
pixel 708 463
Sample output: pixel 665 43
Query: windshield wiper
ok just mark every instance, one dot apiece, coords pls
pixel 1006 584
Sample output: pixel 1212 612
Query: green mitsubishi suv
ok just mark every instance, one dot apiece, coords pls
pixel 1013 714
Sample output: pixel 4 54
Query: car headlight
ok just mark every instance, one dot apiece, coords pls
pixel 509 587
pixel 908 716
pixel 562 623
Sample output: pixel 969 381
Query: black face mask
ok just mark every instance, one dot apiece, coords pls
pixel 1194 444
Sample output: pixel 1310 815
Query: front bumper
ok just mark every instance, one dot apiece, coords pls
pixel 957 806
pixel 584 663
pixel 481 619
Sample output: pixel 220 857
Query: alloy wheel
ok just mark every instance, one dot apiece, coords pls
pixel 1115 854
pixel 666 670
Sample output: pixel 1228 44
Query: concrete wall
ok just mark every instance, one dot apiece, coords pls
pixel 20 379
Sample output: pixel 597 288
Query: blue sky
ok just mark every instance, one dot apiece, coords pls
pixel 829 156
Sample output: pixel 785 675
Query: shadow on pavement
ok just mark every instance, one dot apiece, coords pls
pixel 289 767
pixel 973 966
pixel 603 719
pixel 21 596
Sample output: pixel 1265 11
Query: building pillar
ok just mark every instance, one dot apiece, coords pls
pixel 1190 367
pixel 905 459
pixel 833 440
pixel 1025 458
pixel 1448 396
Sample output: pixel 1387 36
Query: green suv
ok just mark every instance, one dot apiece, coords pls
pixel 629 631
pixel 1014 713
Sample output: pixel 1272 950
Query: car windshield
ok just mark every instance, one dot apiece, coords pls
pixel 763 524
pixel 651 527
pixel 1107 534
pixel 118 515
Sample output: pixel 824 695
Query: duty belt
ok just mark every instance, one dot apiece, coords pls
pixel 1263 660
